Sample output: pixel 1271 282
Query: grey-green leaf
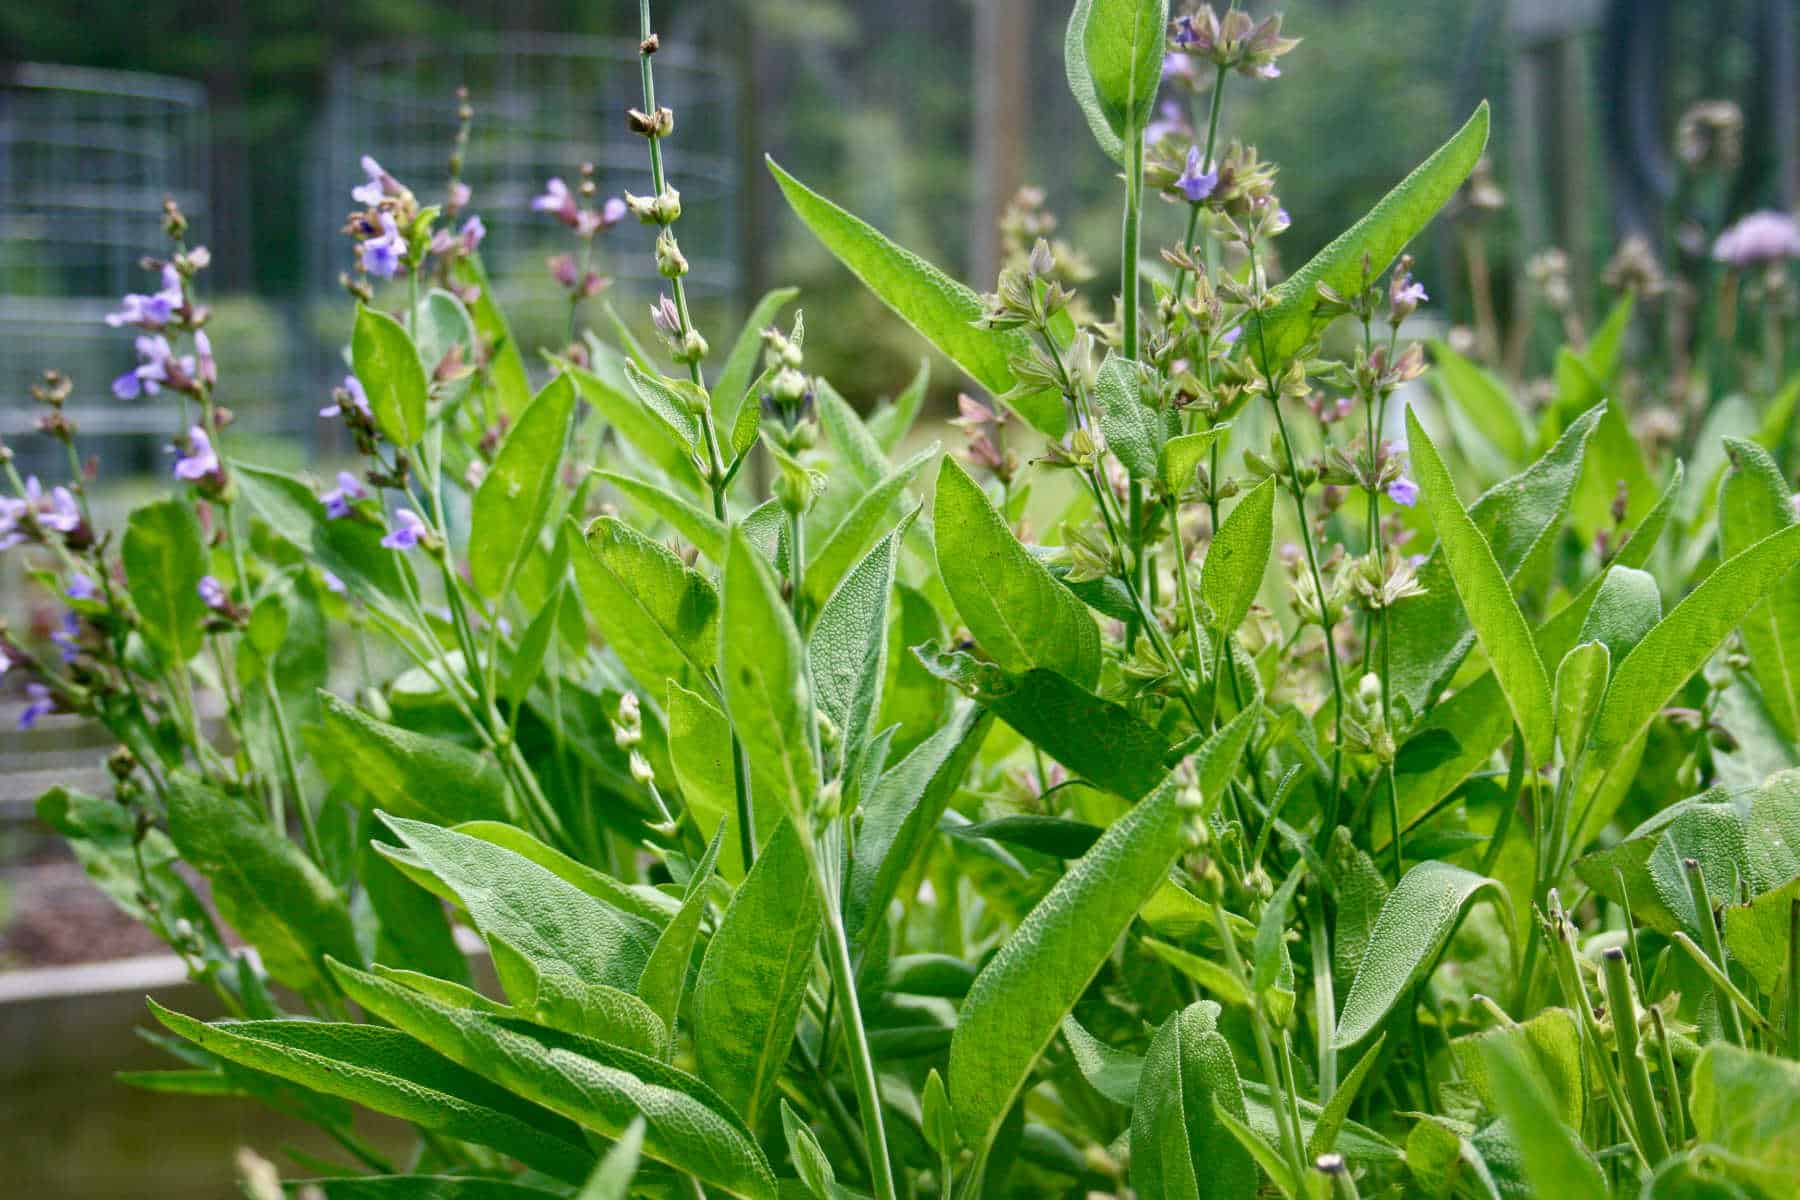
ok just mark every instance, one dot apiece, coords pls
pixel 1233 570
pixel 1028 987
pixel 1122 45
pixel 754 975
pixel 1754 503
pixel 514 497
pixel 660 616
pixel 165 559
pixel 766 694
pixel 1179 1149
pixel 1487 597
pixel 1415 922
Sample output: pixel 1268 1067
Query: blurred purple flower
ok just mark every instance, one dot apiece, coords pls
pixel 369 194
pixel 332 582
pixel 81 588
pixel 613 211
pixel 1169 121
pixel 408 532
pixel 557 200
pixel 381 255
pixel 359 400
pixel 152 311
pixel 339 499
pixel 473 231
pixel 41 703
pixel 56 511
pixel 1761 237
pixel 200 461
pixel 1194 183
pixel 157 367
pixel 459 195
pixel 1403 492
pixel 64 638
pixel 212 592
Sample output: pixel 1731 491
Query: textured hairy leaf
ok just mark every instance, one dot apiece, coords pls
pixel 514 497
pixel 1754 503
pixel 1021 997
pixel 667 401
pixel 1101 741
pixel 1182 456
pixel 863 526
pixel 848 647
pixel 753 978
pixel 1081 81
pixel 739 371
pixel 1011 602
pixel 265 887
pixel 1748 1105
pixel 600 1087
pixel 1556 1161
pixel 901 813
pixel 941 309
pixel 385 1070
pixel 1378 237
pixel 1554 1040
pixel 660 616
pixel 1681 642
pixel 606 388
pixel 1123 43
pixel 388 367
pixel 1233 571
pixel 686 518
pixel 665 977
pixel 1487 597
pixel 351 550
pixel 1415 922
pixel 553 944
pixel 1135 431
pixel 418 1187
pixel 764 665
pixel 1179 1150
pixel 412 774
pixel 505 365
pixel 1111 1072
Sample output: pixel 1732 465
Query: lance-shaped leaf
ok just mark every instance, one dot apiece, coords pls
pixel 686 518
pixel 1009 600
pixel 600 1087
pixel 901 814
pixel 351 550
pixel 1416 921
pixel 940 308
pixel 659 615
pixel 514 497
pixel 1747 1104
pixel 1556 1162
pixel 1135 432
pixel 413 774
pixel 609 392
pixel 766 695
pixel 418 1187
pixel 864 525
pixel 1021 997
pixel 848 646
pixel 1182 456
pixel 505 365
pixel 1103 742
pixel 1233 570
pixel 1378 237
pixel 890 423
pixel 670 401
pixel 388 367
pixel 1179 1150
pixel 391 1073
pixel 552 942
pixel 1487 597
pixel 1753 503
pixel 754 975
pixel 265 887
pixel 739 370
pixel 665 977
pixel 1682 641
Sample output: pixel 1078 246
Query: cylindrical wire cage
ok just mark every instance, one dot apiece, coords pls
pixel 544 105
pixel 86 159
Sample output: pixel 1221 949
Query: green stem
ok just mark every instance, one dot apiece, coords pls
pixel 1292 1144
pixel 1709 942
pixel 1632 1066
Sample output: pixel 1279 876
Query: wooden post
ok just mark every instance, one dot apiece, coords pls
pixel 1001 62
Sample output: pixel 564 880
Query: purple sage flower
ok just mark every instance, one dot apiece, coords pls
pixel 64 638
pixel 359 400
pixel 152 311
pixel 459 195
pixel 408 532
pixel 369 194
pixel 6 661
pixel 1761 237
pixel 1194 183
pixel 1177 65
pixel 56 511
pixel 339 499
pixel 81 588
pixel 380 256
pixel 1170 120
pixel 558 201
pixel 612 212
pixel 332 582
pixel 666 317
pixel 41 703
pixel 212 592
pixel 158 367
pixel 473 231
pixel 200 461
pixel 1403 492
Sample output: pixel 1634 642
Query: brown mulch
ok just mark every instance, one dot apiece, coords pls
pixel 55 917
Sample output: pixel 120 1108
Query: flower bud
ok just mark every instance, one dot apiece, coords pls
pixel 670 262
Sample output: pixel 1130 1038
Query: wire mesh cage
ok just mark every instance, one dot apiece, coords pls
pixel 86 158
pixel 544 105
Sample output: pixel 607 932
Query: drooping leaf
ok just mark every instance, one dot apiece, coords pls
pixel 941 309
pixel 385 1070
pixel 598 1086
pixel 265 886
pixel 1101 741
pixel 754 975
pixel 1021 997
pixel 514 497
pixel 1378 237
pixel 1415 922
pixel 1487 597
pixel 388 367
pixel 412 774
pixel 1011 602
